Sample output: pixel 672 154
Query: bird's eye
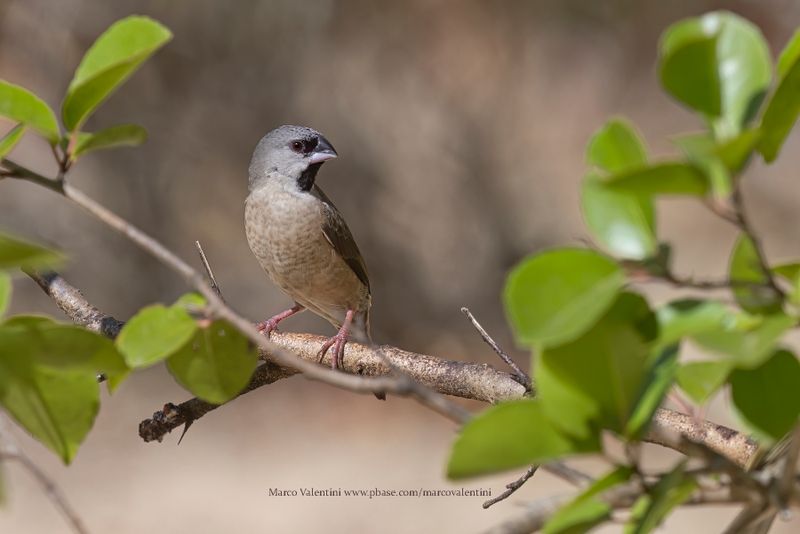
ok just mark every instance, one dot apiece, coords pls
pixel 297 146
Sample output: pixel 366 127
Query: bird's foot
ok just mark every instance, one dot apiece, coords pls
pixel 270 325
pixel 337 357
pixel 337 342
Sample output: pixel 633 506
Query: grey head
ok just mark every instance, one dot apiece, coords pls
pixel 291 154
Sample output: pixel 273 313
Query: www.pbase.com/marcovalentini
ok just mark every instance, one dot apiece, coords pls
pixel 376 492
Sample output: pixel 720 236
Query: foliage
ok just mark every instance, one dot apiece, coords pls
pixel 49 370
pixel 603 359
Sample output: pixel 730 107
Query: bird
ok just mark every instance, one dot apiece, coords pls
pixel 301 239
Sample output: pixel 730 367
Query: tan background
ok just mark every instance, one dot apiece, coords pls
pixel 461 129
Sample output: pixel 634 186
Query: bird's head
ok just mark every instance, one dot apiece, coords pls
pixel 290 153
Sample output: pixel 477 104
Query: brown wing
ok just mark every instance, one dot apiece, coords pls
pixel 338 235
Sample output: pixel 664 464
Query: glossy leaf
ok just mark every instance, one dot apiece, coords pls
pixel 746 347
pixel 155 333
pixel 761 395
pixel 20 105
pixel 554 296
pixel 616 147
pixel 10 140
pixel 745 267
pixel 5 292
pixel 783 107
pixel 60 346
pixel 586 512
pixel 216 364
pixel 57 407
pixel 660 376
pixel 110 61
pixel 671 491
pixel 113 137
pixel 509 435
pixel 791 273
pixel 599 377
pixel 623 222
pixel 700 380
pixel 15 252
pixel 682 318
pixel 718 65
pixel 662 179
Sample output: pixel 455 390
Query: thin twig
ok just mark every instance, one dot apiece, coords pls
pixel 744 224
pixel 9 450
pixel 468 380
pixel 212 280
pixel 511 487
pixel 523 377
pixel 221 310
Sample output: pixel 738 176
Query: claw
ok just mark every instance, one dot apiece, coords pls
pixel 337 342
pixel 270 325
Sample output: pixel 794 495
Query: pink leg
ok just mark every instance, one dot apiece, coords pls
pixel 338 342
pixel 271 324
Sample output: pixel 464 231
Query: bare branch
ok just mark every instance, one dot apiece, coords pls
pixel 9 450
pixel 511 487
pixel 221 310
pixel 523 377
pixel 473 381
pixel 209 272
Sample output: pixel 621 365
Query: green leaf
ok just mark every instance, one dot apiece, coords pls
pixel 15 252
pixel 555 296
pixel 509 435
pixel 718 65
pixel 660 377
pixel 622 222
pixel 10 140
pixel 113 137
pixel 586 512
pixel 791 273
pixel 5 292
pixel 661 179
pixel 20 105
pixel 672 490
pixel 616 147
pixel 759 298
pixel 111 60
pixel 57 407
pixel 783 107
pixel 191 302
pixel 600 376
pixel 155 333
pixel 700 380
pixel 719 161
pixel 746 347
pixel 761 395
pixel 216 364
pixel 686 317
pixel 59 346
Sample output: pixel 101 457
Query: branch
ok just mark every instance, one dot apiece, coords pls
pixel 9 450
pixel 467 380
pixel 538 512
pixel 521 375
pixel 397 385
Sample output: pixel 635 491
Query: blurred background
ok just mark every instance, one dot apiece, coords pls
pixel 461 129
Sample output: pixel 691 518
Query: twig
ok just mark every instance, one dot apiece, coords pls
pixel 521 375
pixel 570 474
pixel 472 381
pixel 9 450
pixel 221 310
pixel 511 487
pixel 746 227
pixel 209 272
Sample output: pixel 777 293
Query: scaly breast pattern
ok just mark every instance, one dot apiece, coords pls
pixel 284 231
